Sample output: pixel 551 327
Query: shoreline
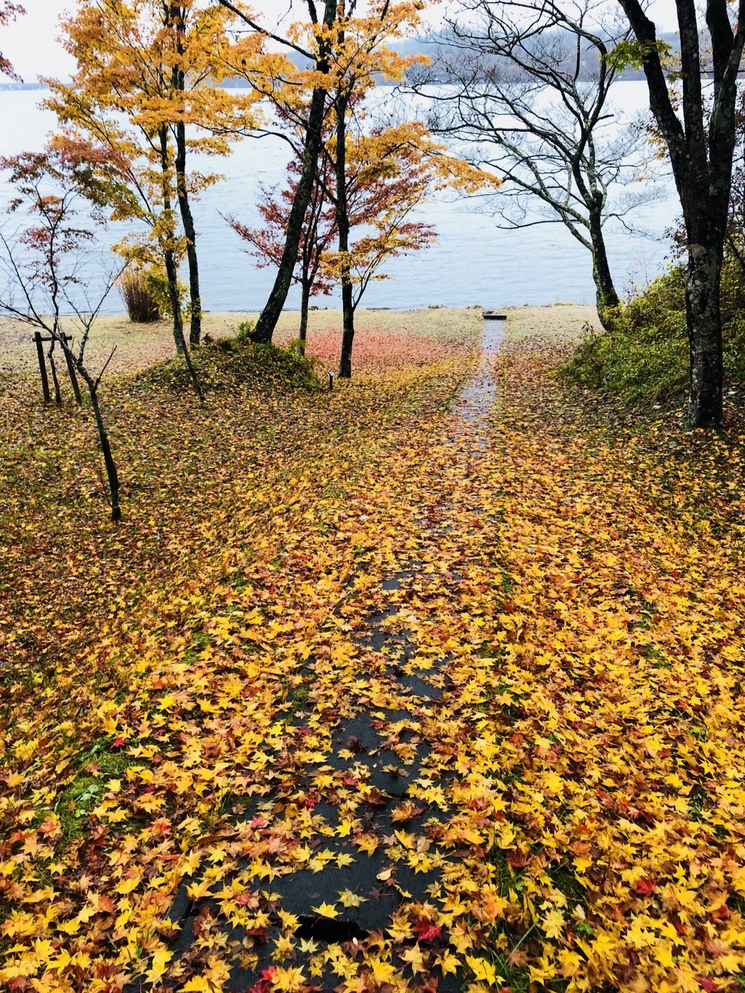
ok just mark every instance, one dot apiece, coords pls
pixel 141 345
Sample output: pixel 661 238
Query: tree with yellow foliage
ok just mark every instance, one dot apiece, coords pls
pixel 146 85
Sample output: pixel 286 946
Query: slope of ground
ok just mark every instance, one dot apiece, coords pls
pixel 373 694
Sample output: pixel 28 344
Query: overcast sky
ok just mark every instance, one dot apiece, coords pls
pixel 33 47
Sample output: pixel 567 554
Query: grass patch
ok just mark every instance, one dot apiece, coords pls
pixel 97 766
pixel 226 362
pixel 643 359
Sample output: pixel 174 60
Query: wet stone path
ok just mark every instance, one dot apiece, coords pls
pixel 378 773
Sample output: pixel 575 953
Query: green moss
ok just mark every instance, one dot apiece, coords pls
pixel 96 767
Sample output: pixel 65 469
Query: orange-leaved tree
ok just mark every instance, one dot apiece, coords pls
pixel 302 92
pixel 267 243
pixel 389 172
pixel 360 57
pixel 146 84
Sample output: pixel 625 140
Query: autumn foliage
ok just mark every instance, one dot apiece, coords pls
pixel 573 778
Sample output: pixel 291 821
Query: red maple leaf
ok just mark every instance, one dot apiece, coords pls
pixel 425 930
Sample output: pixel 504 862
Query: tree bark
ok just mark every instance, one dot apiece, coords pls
pixel 108 459
pixel 112 475
pixel 187 219
pixel 347 339
pixel 169 256
pixel 702 168
pixel 178 320
pixel 342 224
pixel 173 293
pixel 605 290
pixel 703 319
pixel 269 316
pixel 304 307
pixel 55 378
pixel 182 194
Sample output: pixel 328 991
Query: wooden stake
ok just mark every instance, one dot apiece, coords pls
pixel 42 367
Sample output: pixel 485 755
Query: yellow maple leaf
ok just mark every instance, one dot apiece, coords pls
pixel 449 964
pixel 553 923
pixel 349 899
pixel 663 952
pixel 128 884
pixel 326 910
pixel 383 972
pixel 288 980
pixel 199 984
pixel 161 958
pixel 483 969
pixel 414 958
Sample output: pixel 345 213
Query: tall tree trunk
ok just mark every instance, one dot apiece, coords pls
pixel 605 290
pixel 704 195
pixel 304 306
pixel 269 316
pixel 703 319
pixel 173 294
pixel 187 219
pixel 342 223
pixel 178 79
pixel 169 256
pixel 701 159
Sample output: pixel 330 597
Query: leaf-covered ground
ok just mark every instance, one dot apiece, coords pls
pixel 375 689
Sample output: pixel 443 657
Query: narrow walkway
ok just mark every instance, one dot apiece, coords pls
pixel 373 810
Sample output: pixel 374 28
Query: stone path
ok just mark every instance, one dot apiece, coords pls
pixel 381 753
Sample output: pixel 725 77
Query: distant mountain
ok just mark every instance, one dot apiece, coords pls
pixel 430 45
pixel 22 86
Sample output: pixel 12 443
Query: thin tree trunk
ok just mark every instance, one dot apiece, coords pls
pixel 304 306
pixel 342 223
pixel 269 316
pixel 187 219
pixel 103 439
pixel 736 252
pixel 704 335
pixel 169 255
pixel 178 321
pixel 173 293
pixel 112 475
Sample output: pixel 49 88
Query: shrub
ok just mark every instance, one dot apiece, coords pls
pixel 137 293
pixel 643 358
pixel 238 363
pixel 157 284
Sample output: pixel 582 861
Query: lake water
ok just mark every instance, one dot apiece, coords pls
pixel 472 262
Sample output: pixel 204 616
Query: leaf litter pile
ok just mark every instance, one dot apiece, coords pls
pixel 373 689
